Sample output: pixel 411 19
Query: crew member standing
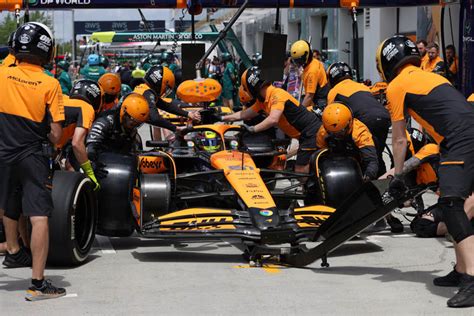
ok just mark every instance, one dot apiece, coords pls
pixel 446 115
pixel 314 79
pixel 30 99
pixel 434 63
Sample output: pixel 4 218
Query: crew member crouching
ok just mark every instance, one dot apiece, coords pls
pixel 343 134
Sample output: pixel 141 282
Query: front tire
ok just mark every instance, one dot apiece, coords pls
pixel 73 222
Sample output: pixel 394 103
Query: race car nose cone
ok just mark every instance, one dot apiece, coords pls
pixel 264 218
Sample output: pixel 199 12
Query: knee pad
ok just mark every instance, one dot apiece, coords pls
pixel 424 228
pixel 455 218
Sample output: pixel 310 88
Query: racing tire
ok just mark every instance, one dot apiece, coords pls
pixel 73 222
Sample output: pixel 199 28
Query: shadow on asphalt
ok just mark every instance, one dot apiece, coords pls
pixel 182 256
pixel 89 259
pixel 392 275
pixel 23 284
pixel 350 249
pixel 130 243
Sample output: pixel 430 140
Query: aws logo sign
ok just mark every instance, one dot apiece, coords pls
pixel 59 2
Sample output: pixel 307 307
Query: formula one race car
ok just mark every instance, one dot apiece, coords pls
pixel 214 182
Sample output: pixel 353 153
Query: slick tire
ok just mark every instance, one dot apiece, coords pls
pixel 73 222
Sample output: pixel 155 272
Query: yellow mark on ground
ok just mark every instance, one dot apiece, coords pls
pixel 269 268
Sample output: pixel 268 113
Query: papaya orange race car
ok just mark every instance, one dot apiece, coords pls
pixel 215 182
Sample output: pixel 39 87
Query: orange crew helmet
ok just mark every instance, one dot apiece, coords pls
pixel 337 119
pixel 111 83
pixel 245 98
pixel 134 111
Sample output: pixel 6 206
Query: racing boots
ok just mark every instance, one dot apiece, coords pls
pixel 20 259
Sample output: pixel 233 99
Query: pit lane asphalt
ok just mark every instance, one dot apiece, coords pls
pixel 381 274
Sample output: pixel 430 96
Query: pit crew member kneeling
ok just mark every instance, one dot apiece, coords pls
pixel 118 130
pixel 282 110
pixel 343 134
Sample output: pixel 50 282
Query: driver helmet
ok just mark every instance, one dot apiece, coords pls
pixel 210 142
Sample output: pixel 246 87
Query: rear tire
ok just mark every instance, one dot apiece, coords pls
pixel 73 222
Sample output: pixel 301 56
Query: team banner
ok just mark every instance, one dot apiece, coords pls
pixel 89 27
pixel 114 37
pixel 105 4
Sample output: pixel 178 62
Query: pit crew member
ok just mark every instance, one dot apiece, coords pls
pixel 343 134
pixel 31 113
pixel 282 110
pixel 112 85
pixel 363 105
pixel 447 117
pixel 314 77
pixel 80 109
pixel 118 130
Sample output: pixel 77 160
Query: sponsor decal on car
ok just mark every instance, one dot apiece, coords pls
pixel 266 213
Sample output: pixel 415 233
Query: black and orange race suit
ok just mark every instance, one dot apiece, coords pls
pixel 358 144
pixel 365 108
pixel 155 103
pixel 296 121
pixel 446 116
pixel 427 172
pixel 107 134
pixel 30 100
pixel 78 113
pixel 9 60
pixel 315 81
